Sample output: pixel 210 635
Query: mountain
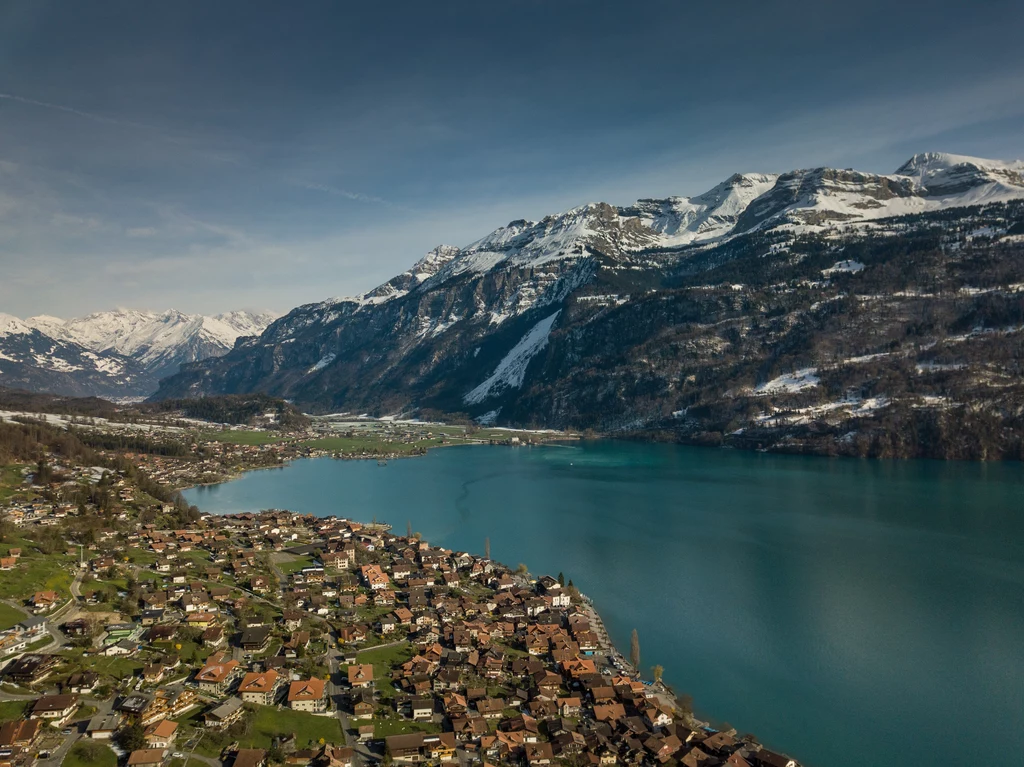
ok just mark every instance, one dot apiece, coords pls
pixel 117 353
pixel 821 309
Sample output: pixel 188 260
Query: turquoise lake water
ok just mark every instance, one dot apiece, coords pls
pixel 846 612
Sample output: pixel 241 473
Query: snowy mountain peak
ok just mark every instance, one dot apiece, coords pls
pixel 105 342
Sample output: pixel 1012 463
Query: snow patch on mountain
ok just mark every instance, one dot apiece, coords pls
pixel 790 383
pixel 511 371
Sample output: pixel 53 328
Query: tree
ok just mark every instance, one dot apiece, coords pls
pixel 522 569
pixel 657 672
pixel 131 738
pixel 634 650
pixel 561 580
pixel 408 528
pixel 487 548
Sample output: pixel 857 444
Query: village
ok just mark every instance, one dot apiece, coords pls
pixel 278 638
pixel 136 630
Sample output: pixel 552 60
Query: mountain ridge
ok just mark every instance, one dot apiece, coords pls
pixel 122 352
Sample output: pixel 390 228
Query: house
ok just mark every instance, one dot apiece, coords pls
pixel 405 749
pixel 250 757
pixel 19 734
pixel 307 696
pixel 218 674
pixel 227 713
pixel 360 675
pixel 103 727
pixel 146 757
pixel 362 709
pixel 123 647
pixel 254 639
pixel 43 601
pixel 82 681
pixel 422 709
pixel 213 636
pixel 161 734
pixel 259 687
pixel 56 709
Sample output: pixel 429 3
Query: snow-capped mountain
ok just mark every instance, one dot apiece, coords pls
pixel 619 317
pixel 121 352
pixel 31 359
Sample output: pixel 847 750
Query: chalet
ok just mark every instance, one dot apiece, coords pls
pixel 360 675
pixel 103 726
pixel 146 757
pixel 224 715
pixel 254 639
pixel 260 687
pixel 250 757
pixel 82 681
pixel 43 601
pixel 217 675
pixel 307 696
pixel 30 668
pixel 19 734
pixel 161 734
pixel 56 709
pixel 405 749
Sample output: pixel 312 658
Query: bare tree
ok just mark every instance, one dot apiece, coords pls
pixel 657 672
pixel 408 528
pixel 487 548
pixel 634 650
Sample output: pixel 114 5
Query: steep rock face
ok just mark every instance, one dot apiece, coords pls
pixel 619 318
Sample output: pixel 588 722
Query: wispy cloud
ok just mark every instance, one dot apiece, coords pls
pixel 217 156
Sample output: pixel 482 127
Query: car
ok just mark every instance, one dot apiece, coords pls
pixel 178 755
pixel 43 755
pixel 66 731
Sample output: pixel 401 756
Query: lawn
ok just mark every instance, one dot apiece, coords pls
pixel 12 710
pixel 10 616
pixel 308 728
pixel 383 728
pixel 369 444
pixel 11 481
pixel 383 660
pixel 290 564
pixel 36 572
pixel 89 753
pixel 239 437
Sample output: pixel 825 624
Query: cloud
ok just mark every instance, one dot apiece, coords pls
pixel 141 231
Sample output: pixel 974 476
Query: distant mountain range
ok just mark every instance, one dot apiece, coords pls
pixel 119 353
pixel 824 309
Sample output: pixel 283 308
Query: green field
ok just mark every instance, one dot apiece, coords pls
pixel 10 481
pixel 382 728
pixel 90 753
pixel 10 616
pixel 383 660
pixel 13 709
pixel 291 564
pixel 373 445
pixel 35 572
pixel 308 728
pixel 240 437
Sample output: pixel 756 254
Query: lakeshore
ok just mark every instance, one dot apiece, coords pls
pixel 724 560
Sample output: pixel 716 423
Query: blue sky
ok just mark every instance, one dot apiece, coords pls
pixel 213 156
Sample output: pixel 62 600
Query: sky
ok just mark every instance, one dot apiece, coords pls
pixel 217 156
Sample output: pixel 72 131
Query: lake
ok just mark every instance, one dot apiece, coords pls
pixel 846 612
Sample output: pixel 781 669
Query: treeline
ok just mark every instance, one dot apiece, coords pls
pixel 237 409
pixel 133 443
pixel 33 402
pixel 27 442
